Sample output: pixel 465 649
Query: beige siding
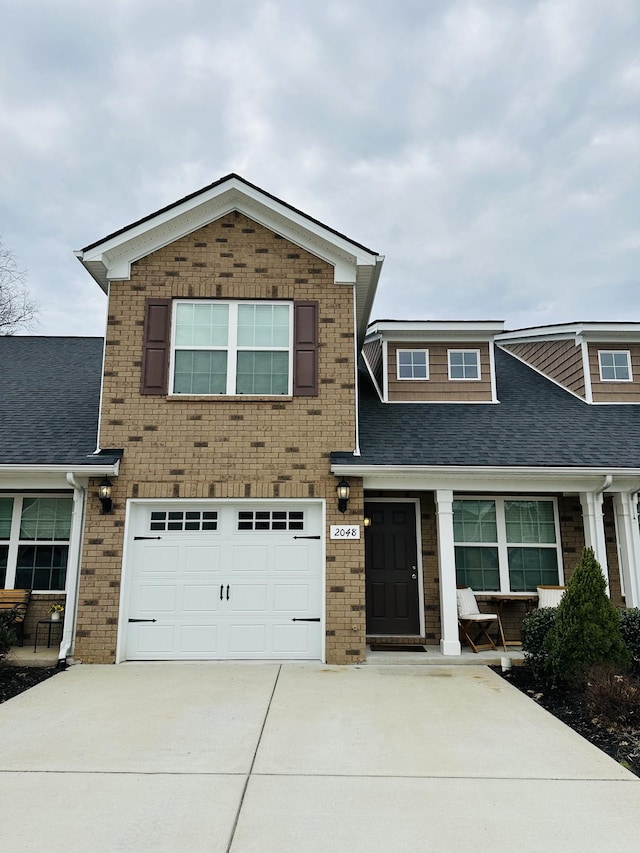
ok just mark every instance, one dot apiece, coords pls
pixel 439 387
pixel 615 392
pixel 225 448
pixel 559 360
pixel 373 353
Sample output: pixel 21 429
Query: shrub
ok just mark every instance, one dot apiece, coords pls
pixel 535 627
pixel 587 627
pixel 613 698
pixel 630 630
pixel 7 632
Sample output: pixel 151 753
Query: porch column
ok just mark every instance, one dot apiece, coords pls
pixel 450 638
pixel 593 521
pixel 628 534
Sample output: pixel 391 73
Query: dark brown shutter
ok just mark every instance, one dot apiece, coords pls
pixel 305 349
pixel 155 349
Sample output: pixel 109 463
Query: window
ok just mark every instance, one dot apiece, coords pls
pixel 615 366
pixel 412 363
pixel 232 348
pixel 270 520
pixel 183 520
pixel 506 545
pixel 34 542
pixel 464 363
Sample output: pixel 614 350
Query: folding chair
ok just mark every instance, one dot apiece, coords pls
pixel 472 621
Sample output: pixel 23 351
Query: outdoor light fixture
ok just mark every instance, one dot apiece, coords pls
pixel 104 495
pixel 367 521
pixel 343 495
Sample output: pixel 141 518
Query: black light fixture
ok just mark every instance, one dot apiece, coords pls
pixel 104 495
pixel 367 521
pixel 343 495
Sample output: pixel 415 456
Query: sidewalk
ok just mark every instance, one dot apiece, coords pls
pixel 301 757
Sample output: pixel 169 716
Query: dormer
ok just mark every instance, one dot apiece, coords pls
pixel 433 361
pixel 598 362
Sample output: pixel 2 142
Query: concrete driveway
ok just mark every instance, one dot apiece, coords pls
pixel 301 757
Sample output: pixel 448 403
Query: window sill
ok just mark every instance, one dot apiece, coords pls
pixel 227 398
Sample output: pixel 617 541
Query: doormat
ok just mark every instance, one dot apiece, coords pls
pixel 389 647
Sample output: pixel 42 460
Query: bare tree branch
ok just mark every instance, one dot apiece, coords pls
pixel 17 309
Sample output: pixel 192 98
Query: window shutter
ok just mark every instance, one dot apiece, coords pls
pixel 305 349
pixel 155 348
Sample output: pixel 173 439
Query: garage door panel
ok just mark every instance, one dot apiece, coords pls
pixel 155 598
pixel 200 639
pixel 199 598
pixel 206 559
pixel 267 578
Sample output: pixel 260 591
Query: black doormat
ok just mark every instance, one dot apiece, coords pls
pixel 389 647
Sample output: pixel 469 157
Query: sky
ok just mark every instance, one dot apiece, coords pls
pixel 489 149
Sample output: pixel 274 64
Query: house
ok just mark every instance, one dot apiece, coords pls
pixel 285 478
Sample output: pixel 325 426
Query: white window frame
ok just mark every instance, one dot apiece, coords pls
pixel 464 378
pixel 503 546
pixel 625 352
pixel 412 378
pixel 15 541
pixel 232 348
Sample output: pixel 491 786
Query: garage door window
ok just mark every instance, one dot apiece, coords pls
pixel 183 520
pixel 270 520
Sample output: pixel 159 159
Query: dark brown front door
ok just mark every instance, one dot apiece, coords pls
pixel 391 569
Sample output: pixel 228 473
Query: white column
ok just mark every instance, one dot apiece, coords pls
pixel 450 638
pixel 593 521
pixel 628 545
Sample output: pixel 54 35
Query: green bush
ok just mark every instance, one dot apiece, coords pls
pixel 7 632
pixel 587 627
pixel 630 630
pixel 535 627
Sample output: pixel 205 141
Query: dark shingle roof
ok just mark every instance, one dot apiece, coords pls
pixel 536 423
pixel 49 400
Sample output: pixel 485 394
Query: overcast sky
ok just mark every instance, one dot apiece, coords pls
pixel 490 149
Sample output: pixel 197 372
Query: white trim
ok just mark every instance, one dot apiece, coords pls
pixel 594 332
pixel 492 369
pixel 123 604
pixel 586 370
pixel 412 378
pixel 372 377
pixel 67 641
pixel 592 503
pixel 419 567
pixel 449 633
pixel 399 330
pixel 602 352
pixel 464 378
pixel 385 371
pixel 356 382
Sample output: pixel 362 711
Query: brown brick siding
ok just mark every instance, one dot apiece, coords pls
pixel 225 448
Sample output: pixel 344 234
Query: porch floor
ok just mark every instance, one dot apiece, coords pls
pixel 434 657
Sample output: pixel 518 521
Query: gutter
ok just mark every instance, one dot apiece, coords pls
pixel 73 578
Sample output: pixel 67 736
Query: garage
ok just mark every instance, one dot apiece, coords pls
pixel 216 580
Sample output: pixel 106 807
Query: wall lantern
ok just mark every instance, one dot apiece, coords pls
pixel 367 521
pixel 104 495
pixel 343 495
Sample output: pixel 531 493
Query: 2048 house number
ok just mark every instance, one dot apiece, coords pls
pixel 344 531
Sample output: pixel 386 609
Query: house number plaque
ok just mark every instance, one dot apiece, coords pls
pixel 344 531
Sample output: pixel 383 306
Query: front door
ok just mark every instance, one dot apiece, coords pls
pixel 391 569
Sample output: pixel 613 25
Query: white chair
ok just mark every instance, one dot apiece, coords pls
pixel 471 620
pixel 549 596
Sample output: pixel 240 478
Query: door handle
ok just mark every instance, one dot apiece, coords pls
pixel 221 586
pixel 414 574
pixel 227 592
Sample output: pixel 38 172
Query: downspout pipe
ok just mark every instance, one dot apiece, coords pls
pixel 608 480
pixel 73 568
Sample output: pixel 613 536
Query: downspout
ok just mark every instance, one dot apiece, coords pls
pixel 608 480
pixel 73 564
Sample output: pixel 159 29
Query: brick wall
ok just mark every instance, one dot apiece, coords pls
pixel 225 448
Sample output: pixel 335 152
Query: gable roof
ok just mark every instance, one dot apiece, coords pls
pixel 49 401
pixel 110 258
pixel 535 424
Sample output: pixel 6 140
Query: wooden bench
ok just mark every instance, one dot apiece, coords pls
pixel 16 599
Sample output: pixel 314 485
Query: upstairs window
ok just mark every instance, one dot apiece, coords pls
pixel 464 363
pixel 412 363
pixel 615 365
pixel 233 348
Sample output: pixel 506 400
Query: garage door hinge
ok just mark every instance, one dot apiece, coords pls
pixel 306 537
pixel 146 537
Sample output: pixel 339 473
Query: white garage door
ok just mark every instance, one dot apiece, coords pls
pixel 208 581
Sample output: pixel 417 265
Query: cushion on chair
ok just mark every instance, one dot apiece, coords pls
pixel 549 596
pixel 467 604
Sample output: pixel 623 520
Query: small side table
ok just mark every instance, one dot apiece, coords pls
pixel 50 623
